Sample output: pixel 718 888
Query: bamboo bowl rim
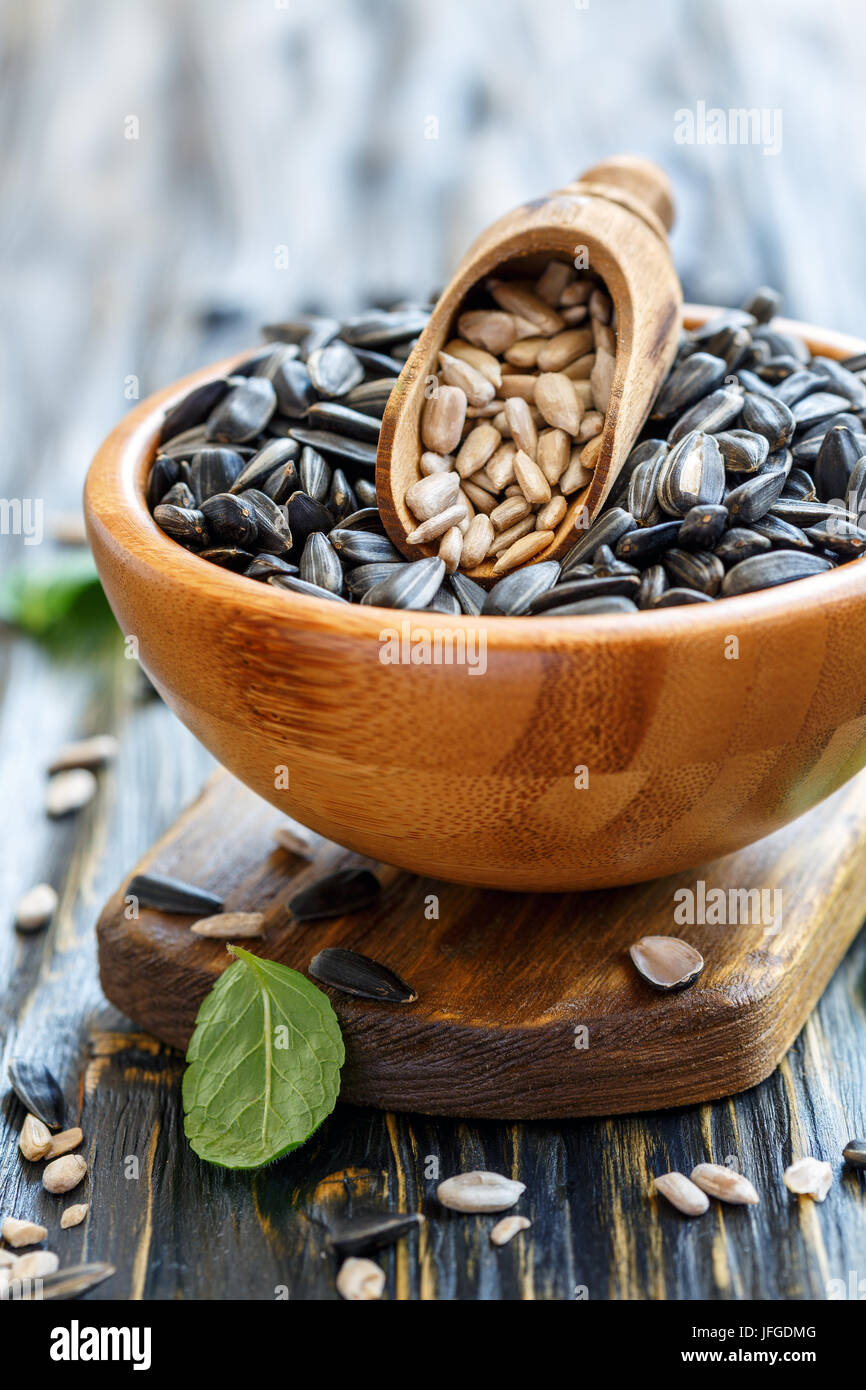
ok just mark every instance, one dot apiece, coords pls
pixel 114 499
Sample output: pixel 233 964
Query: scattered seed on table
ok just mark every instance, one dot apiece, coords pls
pixel 69 791
pixel 372 1232
pixel 74 1215
pixel 506 1229
pixel 854 1153
pixel 64 1173
pixel 360 1280
pixel 64 1142
pixel 86 752
pixel 226 925
pixel 19 1233
pixel 725 1184
pixel 479 1191
pixel 682 1193
pixel 809 1177
pixel 666 962
pixel 36 907
pixel 352 973
pixel 34 1141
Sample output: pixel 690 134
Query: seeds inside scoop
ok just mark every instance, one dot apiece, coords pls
pixel 666 962
pixel 479 1191
pixel 809 1177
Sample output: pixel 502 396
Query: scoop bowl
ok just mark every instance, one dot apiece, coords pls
pixel 564 753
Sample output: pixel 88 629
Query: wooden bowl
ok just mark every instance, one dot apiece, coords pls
pixel 700 729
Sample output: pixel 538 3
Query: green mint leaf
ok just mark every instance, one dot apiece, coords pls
pixel 264 1064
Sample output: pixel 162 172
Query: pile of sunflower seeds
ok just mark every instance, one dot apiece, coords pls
pixel 752 473
pixel 513 425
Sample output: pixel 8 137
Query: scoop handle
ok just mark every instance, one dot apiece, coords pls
pixel 635 183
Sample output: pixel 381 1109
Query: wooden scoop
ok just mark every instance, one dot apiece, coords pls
pixel 620 211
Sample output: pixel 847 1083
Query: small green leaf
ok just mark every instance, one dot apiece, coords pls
pixel 264 1064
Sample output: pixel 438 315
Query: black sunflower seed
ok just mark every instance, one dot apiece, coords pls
pixel 179 495
pixel 381 329
pixel 699 570
pixel 837 458
pixel 362 547
pixel 710 414
pixel 800 384
pixel 856 495
pixel 291 381
pixel 596 586
pixel 769 417
pixel 172 895
pixel 854 1153
pixel 408 586
pixel 351 973
pixel 346 890
pixel 364 519
pixel 213 471
pixel 314 474
pixel 243 412
pixel 855 364
pixel 259 468
pixel 184 524
pixel 334 369
pixel 70 1282
pixel 653 583
pixel 842 537
pixel 342 501
pixel 605 530
pixel 777 369
pixel 647 542
pixel 327 442
pixel 693 473
pixel 306 515
pixel 642 485
pixel 373 1232
pixel 469 595
pixel 679 597
pixel 443 601
pixel 193 410
pixel 282 482
pixel 372 395
pixel 754 498
pixel 605 563
pixel 228 557
pixel 695 377
pixel 264 565
pixel 359 580
pixel 743 450
pixel 163 476
pixel 365 491
pixel 764 304
pixel 799 485
pixel 340 419
pixel 38 1091
pixel 805 514
pixel 319 563
pixel 296 585
pixel 273 532
pixel 781 534
pixel 817 407
pixel 752 383
pixel 513 594
pixel 230 520
pixel 841 380
pixel 739 543
pixel 701 527
pixel 641 453
pixel 768 571
pixel 381 362
pixel 310 332
pixel 782 344
pixel 612 603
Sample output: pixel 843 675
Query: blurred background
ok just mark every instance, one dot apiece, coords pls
pixel 176 171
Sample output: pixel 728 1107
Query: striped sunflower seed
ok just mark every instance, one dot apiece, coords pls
pixel 725 1184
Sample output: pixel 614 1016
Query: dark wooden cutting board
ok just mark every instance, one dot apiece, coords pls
pixel 528 1005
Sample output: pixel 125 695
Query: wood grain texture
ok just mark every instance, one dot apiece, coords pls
pixel 505 981
pixel 260 126
pixel 620 212
pixel 700 729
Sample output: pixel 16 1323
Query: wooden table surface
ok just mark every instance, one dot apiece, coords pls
pixel 127 261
